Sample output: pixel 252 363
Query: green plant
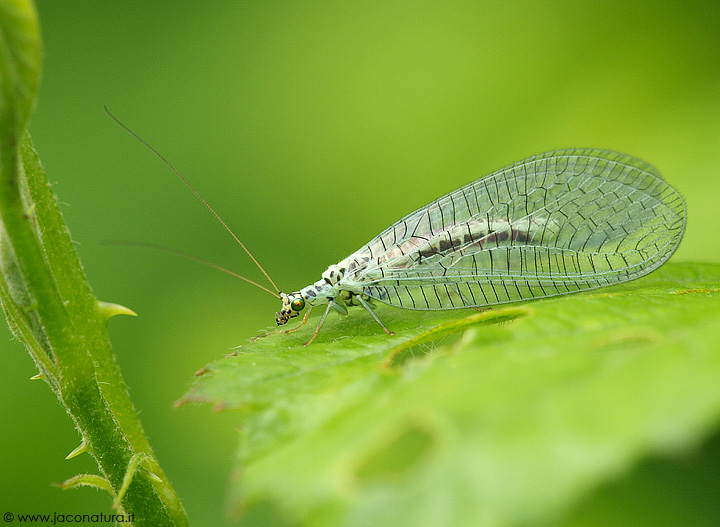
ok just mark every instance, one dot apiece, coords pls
pixel 50 306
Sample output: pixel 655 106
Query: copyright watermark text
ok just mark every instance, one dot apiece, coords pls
pixel 58 518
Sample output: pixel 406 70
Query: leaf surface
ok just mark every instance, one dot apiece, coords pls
pixel 525 411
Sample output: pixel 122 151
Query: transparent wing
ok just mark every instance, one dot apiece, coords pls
pixel 557 223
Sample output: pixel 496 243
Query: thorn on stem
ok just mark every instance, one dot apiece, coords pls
pixel 109 310
pixel 79 450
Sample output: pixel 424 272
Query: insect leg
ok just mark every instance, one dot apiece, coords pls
pixel 322 321
pixel 369 309
pixel 304 321
pixel 339 306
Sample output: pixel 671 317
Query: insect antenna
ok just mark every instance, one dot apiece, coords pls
pixel 217 216
pixel 187 257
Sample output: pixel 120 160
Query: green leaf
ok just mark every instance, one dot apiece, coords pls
pixel 529 409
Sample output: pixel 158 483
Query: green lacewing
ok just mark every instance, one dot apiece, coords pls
pixel 557 223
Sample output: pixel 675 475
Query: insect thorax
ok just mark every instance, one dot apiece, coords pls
pixel 321 292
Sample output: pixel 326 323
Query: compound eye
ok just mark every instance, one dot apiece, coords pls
pixel 298 304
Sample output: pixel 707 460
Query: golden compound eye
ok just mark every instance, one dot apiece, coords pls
pixel 298 304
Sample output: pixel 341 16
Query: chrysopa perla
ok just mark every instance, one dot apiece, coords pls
pixel 557 223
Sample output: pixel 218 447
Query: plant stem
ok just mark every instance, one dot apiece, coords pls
pixel 48 302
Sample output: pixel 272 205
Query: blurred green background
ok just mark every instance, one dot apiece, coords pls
pixel 310 127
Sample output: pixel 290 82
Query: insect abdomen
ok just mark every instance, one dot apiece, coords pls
pixel 557 223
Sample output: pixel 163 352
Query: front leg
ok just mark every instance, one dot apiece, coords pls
pixel 334 304
pixel 302 323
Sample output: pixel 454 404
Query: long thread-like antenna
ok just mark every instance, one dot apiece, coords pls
pixel 188 257
pixel 217 216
